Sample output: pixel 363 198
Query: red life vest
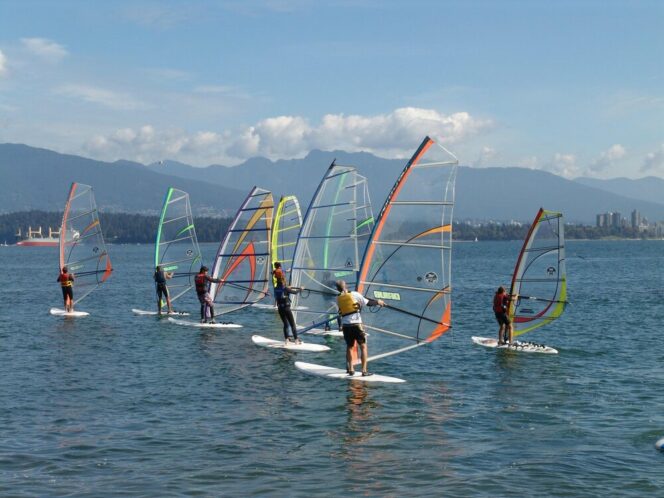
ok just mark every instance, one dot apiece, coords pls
pixel 65 279
pixel 279 277
pixel 500 303
pixel 201 283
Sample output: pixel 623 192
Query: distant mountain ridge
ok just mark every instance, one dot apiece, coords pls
pixel 34 178
pixel 499 194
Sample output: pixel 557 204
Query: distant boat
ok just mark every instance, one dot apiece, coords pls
pixel 35 238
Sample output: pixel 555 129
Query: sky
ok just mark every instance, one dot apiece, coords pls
pixel 571 87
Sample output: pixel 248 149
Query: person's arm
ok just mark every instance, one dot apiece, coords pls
pixel 168 275
pixel 213 280
pixel 293 290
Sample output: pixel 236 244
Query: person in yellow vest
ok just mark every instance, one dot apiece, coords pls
pixel 66 280
pixel 350 308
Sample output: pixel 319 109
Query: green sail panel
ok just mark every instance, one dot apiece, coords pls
pixel 285 231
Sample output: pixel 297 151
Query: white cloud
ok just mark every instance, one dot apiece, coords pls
pixel 530 162
pixel 3 64
pixel 654 161
pixel 47 49
pixel 608 158
pixel 101 96
pixel 487 154
pixel 563 165
pixel 389 135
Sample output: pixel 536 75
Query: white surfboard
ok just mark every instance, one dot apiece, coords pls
pixel 323 332
pixel 524 347
pixel 187 323
pixel 72 314
pixel 264 342
pixel 154 313
pixel 337 373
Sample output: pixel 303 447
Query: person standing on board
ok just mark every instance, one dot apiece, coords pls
pixel 201 280
pixel 66 280
pixel 160 277
pixel 501 303
pixel 282 297
pixel 350 307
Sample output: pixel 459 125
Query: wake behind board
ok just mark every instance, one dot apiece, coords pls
pixel 71 314
pixel 524 347
pixel 264 342
pixel 187 323
pixel 337 373
pixel 154 313
pixel 273 307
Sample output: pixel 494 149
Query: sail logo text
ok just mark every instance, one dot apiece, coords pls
pixel 393 296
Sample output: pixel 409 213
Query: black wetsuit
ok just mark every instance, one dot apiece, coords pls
pixel 282 296
pixel 162 288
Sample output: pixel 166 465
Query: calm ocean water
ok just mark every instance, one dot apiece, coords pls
pixel 115 404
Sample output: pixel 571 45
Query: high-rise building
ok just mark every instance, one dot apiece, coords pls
pixel 636 219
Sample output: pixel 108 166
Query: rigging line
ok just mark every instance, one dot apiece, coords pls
pixel 315 325
pixel 397 351
pixel 531 298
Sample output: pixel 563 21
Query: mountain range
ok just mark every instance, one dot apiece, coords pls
pixel 35 178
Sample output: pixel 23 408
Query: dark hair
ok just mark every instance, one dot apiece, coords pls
pixel 500 290
pixel 341 285
pixel 64 269
pixel 204 268
pixel 158 267
pixel 277 264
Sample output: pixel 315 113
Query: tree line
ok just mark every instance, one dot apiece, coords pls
pixel 120 228
pixel 127 228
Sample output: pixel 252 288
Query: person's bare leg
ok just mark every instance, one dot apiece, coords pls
pixel 349 359
pixel 501 330
pixel 365 355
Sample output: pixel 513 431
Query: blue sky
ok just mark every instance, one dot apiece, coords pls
pixel 576 88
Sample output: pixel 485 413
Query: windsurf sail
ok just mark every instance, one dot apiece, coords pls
pixel 243 258
pixel 176 247
pixel 407 262
pixel 539 283
pixel 285 230
pixel 334 233
pixel 82 247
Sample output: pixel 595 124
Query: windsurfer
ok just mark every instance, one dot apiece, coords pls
pixel 160 277
pixel 201 280
pixel 350 307
pixel 66 280
pixel 282 296
pixel 501 302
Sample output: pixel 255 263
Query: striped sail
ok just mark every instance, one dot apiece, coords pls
pixel 82 247
pixel 285 230
pixel 243 258
pixel 334 233
pixel 407 262
pixel 539 283
pixel 176 246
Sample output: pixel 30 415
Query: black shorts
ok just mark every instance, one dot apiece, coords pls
pixel 354 332
pixel 162 290
pixel 68 292
pixel 502 318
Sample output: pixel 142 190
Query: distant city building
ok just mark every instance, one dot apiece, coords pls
pixel 636 219
pixel 601 220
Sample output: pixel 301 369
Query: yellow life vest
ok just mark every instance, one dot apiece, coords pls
pixel 347 304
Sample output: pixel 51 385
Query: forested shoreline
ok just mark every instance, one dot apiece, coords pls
pixel 128 228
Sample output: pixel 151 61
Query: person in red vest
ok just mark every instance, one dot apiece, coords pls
pixel 66 280
pixel 501 303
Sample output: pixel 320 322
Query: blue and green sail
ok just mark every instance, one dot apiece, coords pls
pixel 176 247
